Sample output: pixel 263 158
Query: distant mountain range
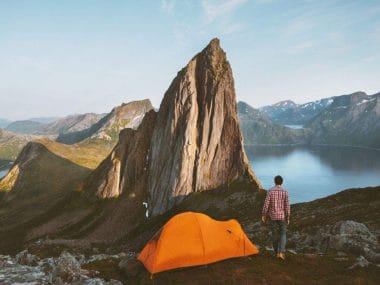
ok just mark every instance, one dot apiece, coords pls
pixel 66 124
pixel 258 128
pixel 289 113
pixel 26 126
pixel 44 120
pixel 108 127
pixel 11 144
pixel 352 119
pixel 94 130
pixel 4 122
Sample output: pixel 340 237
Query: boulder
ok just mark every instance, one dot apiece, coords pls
pixel 347 236
pixel 25 258
pixel 66 269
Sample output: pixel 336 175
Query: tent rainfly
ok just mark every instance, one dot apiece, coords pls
pixel 190 239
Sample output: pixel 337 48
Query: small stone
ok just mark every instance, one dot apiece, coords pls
pixel 95 281
pixel 292 251
pixel 67 268
pixel 114 282
pixel 360 262
pixel 269 248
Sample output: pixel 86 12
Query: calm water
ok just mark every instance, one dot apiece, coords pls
pixel 4 167
pixel 315 172
pixel 3 172
pixel 294 126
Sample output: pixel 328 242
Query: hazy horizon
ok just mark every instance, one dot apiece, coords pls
pixel 64 58
pixel 42 116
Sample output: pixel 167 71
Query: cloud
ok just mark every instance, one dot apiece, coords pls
pixel 233 28
pixel 301 47
pixel 217 8
pixel 298 25
pixel 168 6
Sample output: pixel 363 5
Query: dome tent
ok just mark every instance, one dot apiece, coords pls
pixel 190 239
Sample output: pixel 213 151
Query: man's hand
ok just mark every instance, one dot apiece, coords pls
pixel 288 222
pixel 263 219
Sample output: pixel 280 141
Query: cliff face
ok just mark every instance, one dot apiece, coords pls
pixel 193 145
pixel 126 166
pixel 197 143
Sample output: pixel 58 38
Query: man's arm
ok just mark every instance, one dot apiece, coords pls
pixel 287 208
pixel 265 207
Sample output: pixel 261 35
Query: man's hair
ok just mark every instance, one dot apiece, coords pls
pixel 278 180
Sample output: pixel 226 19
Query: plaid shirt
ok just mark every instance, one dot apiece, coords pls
pixel 277 204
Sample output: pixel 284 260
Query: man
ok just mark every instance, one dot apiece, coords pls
pixel 277 205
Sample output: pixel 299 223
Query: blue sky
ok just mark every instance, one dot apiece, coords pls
pixel 60 57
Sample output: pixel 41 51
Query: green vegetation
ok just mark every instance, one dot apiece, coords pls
pixel 360 205
pixel 10 151
pixel 88 153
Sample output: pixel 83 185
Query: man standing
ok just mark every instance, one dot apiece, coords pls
pixel 277 205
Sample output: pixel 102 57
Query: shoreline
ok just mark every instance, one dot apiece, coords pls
pixel 312 145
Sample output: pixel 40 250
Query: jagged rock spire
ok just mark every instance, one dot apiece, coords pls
pixel 194 141
pixel 197 143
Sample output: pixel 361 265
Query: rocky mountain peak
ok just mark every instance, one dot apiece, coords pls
pixel 212 56
pixel 286 103
pixel 197 143
pixel 192 144
pixel 107 129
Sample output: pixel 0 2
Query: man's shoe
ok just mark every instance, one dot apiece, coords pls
pixel 281 256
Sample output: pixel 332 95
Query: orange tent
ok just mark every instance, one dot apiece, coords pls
pixel 190 239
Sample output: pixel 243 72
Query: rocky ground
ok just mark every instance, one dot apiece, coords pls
pixel 117 269
pixel 26 268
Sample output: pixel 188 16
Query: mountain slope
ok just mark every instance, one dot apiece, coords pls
pixel 72 123
pixel 127 115
pixel 4 123
pixel 289 113
pixel 25 127
pixel 38 184
pixel 11 144
pixel 352 119
pixel 44 120
pixel 257 128
pixel 44 126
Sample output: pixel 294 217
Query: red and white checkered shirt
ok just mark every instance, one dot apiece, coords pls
pixel 277 204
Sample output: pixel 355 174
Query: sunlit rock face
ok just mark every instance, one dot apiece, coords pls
pixel 125 169
pixel 192 144
pixel 197 143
